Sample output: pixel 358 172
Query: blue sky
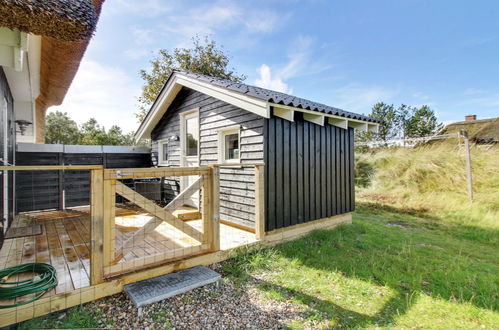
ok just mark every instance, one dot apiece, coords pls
pixel 348 54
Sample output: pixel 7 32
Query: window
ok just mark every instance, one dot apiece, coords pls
pixel 229 151
pixel 163 152
pixel 192 135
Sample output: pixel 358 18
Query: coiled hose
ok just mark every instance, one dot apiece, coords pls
pixel 44 280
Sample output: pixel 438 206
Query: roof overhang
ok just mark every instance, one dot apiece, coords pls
pixel 175 83
pixel 177 80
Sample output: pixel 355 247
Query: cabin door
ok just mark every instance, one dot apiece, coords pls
pixel 189 140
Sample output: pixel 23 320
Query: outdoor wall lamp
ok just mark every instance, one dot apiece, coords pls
pixel 23 125
pixel 174 138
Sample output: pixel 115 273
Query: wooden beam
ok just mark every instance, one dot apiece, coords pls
pixel 96 226
pixel 259 202
pixel 153 260
pixel 206 195
pixel 358 126
pixel 373 128
pixel 316 119
pixel 109 200
pixel 179 200
pixel 159 215
pixel 284 113
pixel 215 209
pixel 128 173
pixel 341 123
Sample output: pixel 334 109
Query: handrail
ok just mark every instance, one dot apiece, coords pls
pixel 236 164
pixel 50 167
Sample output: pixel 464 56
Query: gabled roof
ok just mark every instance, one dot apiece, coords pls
pixel 251 98
pixel 278 97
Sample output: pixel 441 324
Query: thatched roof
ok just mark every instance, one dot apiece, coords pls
pixel 480 131
pixel 65 20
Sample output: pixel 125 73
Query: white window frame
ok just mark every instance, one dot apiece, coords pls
pixel 162 162
pixel 221 144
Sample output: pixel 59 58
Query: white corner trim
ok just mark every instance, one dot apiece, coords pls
pixel 314 118
pixel 284 113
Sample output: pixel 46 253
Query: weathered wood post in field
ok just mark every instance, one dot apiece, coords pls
pixel 468 164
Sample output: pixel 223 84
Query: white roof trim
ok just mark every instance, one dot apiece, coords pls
pixel 179 80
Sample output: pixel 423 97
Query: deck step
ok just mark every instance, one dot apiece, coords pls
pixel 165 286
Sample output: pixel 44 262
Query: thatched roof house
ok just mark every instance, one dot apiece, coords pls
pixel 480 131
pixel 42 43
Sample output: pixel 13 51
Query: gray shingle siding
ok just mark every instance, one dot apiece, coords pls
pixel 236 185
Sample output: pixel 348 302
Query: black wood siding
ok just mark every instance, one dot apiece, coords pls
pixel 309 171
pixel 42 190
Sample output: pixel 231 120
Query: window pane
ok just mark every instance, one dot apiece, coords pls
pixel 192 138
pixel 165 152
pixel 232 146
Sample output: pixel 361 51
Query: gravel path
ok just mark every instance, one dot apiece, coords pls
pixel 226 306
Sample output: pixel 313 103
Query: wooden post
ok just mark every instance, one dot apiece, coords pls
pixel 206 209
pixel 469 173
pixel 259 202
pixel 97 226
pixel 109 200
pixel 215 209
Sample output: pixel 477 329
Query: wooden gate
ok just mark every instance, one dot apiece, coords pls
pixel 147 232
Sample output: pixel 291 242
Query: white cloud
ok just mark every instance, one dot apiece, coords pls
pixel 146 8
pixel 143 36
pixel 104 93
pixel 266 81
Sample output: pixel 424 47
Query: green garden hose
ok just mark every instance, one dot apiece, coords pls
pixel 44 280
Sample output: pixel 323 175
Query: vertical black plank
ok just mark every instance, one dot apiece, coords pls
pixel 271 177
pixel 293 174
pixel 328 171
pixel 279 173
pixel 312 170
pixel 352 171
pixel 306 172
pixel 333 170
pixel 347 170
pixel 323 182
pixel 300 169
pixel 338 170
pixel 286 172
pixel 318 155
pixel 342 171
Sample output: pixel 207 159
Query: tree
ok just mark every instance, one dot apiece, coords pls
pixel 115 137
pixel 423 122
pixel 203 57
pixel 59 128
pixel 92 133
pixel 386 113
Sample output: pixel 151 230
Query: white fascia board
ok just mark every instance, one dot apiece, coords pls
pixel 283 113
pixel 240 100
pixel 164 100
pixel 314 118
pixel 341 123
pixel 159 108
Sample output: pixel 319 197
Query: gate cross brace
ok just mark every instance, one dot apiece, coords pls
pixel 159 214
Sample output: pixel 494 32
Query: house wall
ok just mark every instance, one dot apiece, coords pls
pixel 309 171
pixel 7 137
pixel 236 185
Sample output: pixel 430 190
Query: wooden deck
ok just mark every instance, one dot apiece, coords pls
pixel 65 243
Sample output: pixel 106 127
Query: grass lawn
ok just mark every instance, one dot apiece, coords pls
pixel 388 269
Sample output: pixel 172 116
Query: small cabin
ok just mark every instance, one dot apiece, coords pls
pixel 306 147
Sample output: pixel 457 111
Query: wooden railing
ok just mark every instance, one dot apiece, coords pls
pixel 108 260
